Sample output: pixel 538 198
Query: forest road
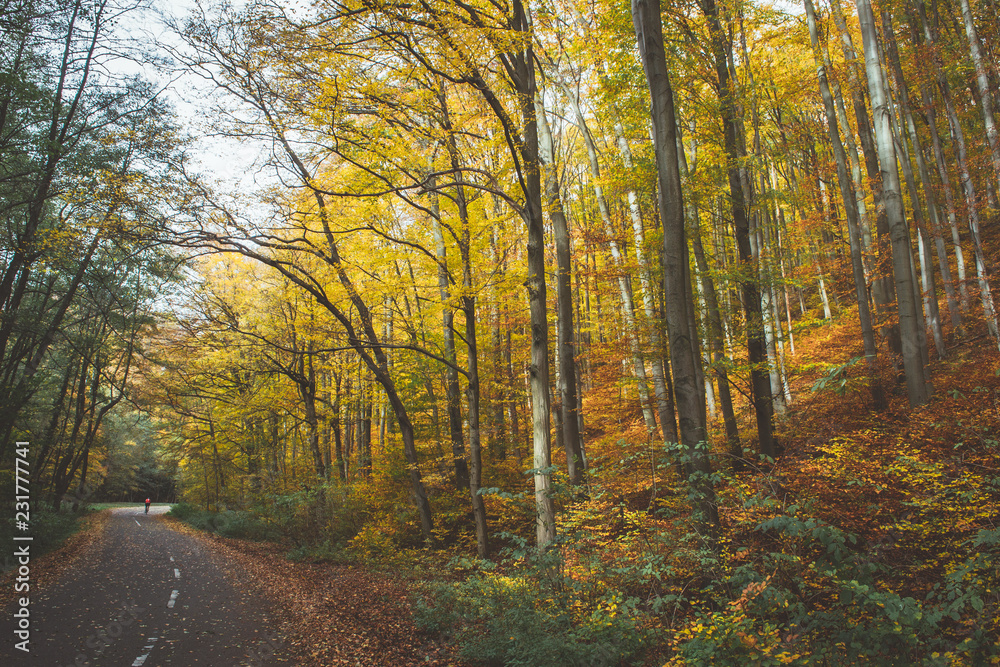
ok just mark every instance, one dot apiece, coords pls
pixel 145 595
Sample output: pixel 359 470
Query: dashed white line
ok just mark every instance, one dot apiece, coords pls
pixel 137 523
pixel 148 648
pixel 177 573
pixel 173 599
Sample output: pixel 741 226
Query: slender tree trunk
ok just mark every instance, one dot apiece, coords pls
pixel 720 361
pixel 452 390
pixel 926 36
pixel 664 401
pixel 934 223
pixel 968 189
pixel 983 87
pixel 649 33
pixel 475 446
pixel 307 390
pixel 881 273
pixel 565 338
pixel 757 354
pixel 624 286
pixel 929 291
pixel 538 369
pixel 472 347
pixel 892 197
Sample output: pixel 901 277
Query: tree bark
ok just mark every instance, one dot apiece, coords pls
pixel 538 370
pixel 624 286
pixel 472 347
pixel 756 351
pixel 664 402
pixel 892 197
pixel 983 86
pixel 649 34
pixel 565 334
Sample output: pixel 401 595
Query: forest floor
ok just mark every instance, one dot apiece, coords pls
pixel 909 483
pixel 333 614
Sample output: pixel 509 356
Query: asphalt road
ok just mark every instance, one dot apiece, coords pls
pixel 144 595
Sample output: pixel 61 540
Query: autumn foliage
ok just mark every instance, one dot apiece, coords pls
pixel 556 333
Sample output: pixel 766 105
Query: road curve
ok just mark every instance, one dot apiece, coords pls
pixel 145 595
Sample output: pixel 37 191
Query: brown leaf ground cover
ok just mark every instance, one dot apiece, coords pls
pixel 333 614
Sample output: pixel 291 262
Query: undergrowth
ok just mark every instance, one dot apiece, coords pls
pixel 49 530
pixel 873 539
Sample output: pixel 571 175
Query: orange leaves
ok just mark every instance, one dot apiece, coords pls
pixel 749 593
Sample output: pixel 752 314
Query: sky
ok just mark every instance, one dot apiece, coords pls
pixel 232 163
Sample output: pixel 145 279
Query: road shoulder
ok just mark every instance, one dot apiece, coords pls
pixel 331 614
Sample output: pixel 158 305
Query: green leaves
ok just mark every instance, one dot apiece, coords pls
pixel 836 378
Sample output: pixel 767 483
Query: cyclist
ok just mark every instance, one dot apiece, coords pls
pixel 147 505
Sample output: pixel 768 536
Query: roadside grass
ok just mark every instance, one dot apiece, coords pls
pixel 228 523
pixel 49 530
pixel 97 507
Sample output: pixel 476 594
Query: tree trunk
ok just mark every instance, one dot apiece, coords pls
pixel 664 402
pixel 968 189
pixel 939 157
pixel 565 335
pixel 452 389
pixel 934 222
pixel 624 286
pixel 929 291
pixel 307 390
pixel 720 361
pixel 892 197
pixel 472 347
pixel 882 281
pixel 983 87
pixel 538 370
pixel 756 351
pixel 649 33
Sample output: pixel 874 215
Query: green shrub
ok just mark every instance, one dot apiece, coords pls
pixel 227 523
pixel 182 511
pixel 821 603
pixel 48 529
pixel 532 615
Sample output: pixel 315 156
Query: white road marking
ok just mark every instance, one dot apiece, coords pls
pixel 148 648
pixel 137 523
pixel 177 573
pixel 173 599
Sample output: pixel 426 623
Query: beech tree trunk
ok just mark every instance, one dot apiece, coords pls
pixel 848 193
pixel 475 472
pixel 664 402
pixel 942 162
pixel 756 350
pixel 880 273
pixel 565 336
pixel 538 369
pixel 892 197
pixel 624 286
pixel 649 33
pixel 929 291
pixel 983 86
